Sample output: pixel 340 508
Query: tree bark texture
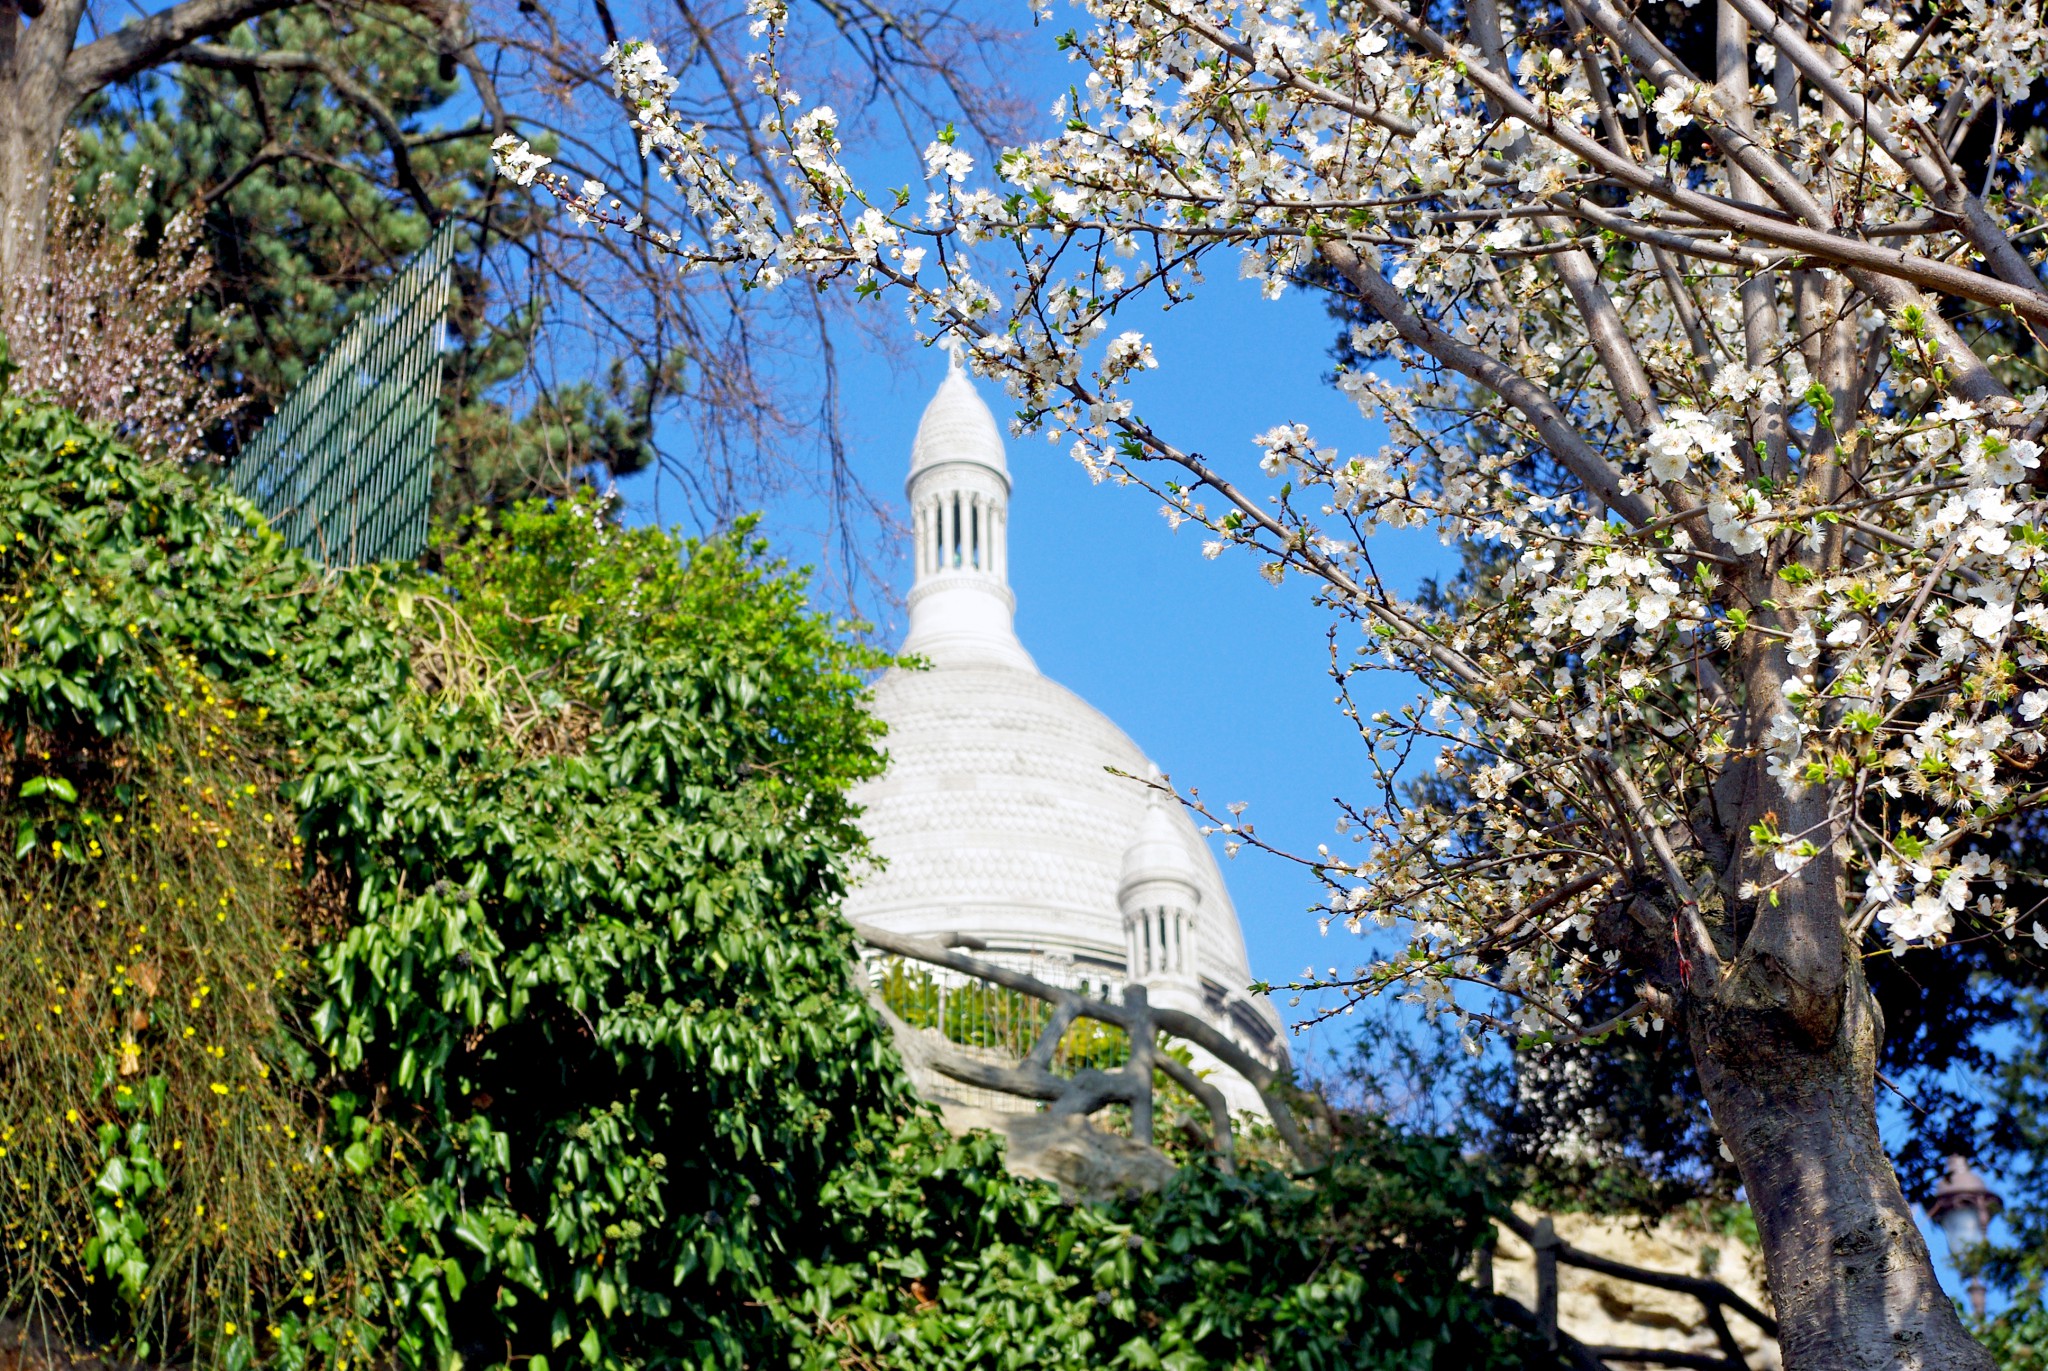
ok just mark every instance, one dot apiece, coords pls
pixel 43 78
pixel 1852 1278
pixel 1785 1035
pixel 28 155
pixel 35 103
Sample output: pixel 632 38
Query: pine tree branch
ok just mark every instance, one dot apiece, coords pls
pixel 218 58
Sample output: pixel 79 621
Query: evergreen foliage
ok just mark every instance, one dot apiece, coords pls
pixel 306 220
pixel 405 969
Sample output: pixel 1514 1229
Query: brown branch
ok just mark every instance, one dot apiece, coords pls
pixel 1888 275
pixel 1594 473
pixel 151 41
pixel 1983 232
pixel 219 58
pixel 1033 1079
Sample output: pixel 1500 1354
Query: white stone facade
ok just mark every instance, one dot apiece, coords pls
pixel 999 816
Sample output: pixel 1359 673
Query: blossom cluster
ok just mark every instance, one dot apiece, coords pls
pixel 1754 618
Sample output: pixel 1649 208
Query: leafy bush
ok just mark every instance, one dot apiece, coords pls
pixel 2018 1335
pixel 565 958
pixel 407 969
pixel 1352 1266
pixel 163 1154
pixel 595 960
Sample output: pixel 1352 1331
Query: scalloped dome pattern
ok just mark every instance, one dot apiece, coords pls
pixel 958 427
pixel 996 818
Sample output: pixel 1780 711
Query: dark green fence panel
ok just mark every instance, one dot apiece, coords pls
pixel 344 469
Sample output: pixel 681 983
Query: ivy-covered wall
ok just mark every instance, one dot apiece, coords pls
pixel 444 969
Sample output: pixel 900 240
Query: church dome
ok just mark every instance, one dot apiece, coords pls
pixel 1000 816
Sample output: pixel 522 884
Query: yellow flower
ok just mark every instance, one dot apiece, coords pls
pixel 219 1089
pixel 229 1328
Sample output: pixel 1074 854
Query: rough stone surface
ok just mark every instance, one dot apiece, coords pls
pixel 1604 1312
pixel 1085 1162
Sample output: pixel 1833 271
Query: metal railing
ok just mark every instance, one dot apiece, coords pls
pixel 1551 1251
pixel 1032 1077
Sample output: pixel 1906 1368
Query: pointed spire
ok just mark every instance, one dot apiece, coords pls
pixel 960 606
pixel 958 427
pixel 1158 852
pixel 1159 895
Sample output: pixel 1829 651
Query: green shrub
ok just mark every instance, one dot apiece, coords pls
pixel 164 1155
pixel 432 969
pixel 2018 1335
pixel 1353 1266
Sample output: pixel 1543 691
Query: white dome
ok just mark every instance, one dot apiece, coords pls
pixel 958 427
pixel 997 818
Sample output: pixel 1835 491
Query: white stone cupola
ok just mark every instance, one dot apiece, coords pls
pixel 1161 899
pixel 961 608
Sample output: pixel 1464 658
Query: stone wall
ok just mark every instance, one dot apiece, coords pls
pixel 1603 1311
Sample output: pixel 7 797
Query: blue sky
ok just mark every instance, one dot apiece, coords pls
pixel 1220 677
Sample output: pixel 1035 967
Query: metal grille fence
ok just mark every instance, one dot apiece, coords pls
pixel 344 469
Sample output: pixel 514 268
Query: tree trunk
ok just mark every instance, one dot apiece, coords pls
pixel 1852 1279
pixel 28 161
pixel 35 103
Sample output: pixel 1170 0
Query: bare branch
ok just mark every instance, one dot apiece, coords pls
pixel 293 59
pixel 148 42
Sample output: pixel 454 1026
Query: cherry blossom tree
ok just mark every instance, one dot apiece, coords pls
pixel 105 333
pixel 1701 366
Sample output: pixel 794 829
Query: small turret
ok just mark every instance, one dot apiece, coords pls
pixel 1160 898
